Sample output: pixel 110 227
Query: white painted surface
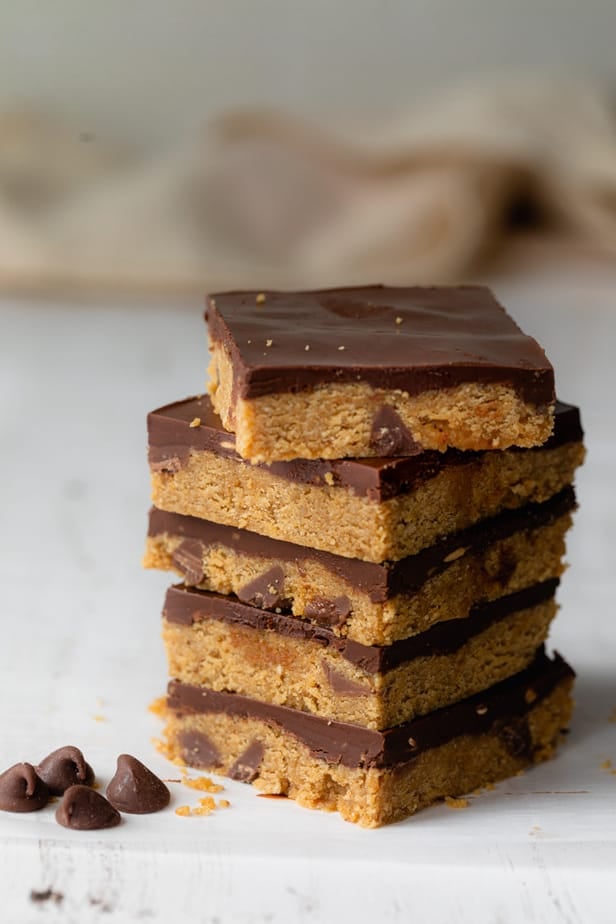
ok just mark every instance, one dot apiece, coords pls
pixel 80 637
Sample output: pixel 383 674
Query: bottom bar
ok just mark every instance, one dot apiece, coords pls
pixel 374 778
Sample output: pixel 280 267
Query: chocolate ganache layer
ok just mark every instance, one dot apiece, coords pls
pixel 413 339
pixel 173 433
pixel 187 606
pixel 380 581
pixel 358 747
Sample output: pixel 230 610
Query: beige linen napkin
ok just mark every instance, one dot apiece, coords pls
pixel 266 200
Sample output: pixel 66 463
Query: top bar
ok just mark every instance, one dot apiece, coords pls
pixel 375 371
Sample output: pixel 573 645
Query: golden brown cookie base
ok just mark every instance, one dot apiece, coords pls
pixel 508 565
pixel 372 797
pixel 336 421
pixel 301 674
pixel 334 519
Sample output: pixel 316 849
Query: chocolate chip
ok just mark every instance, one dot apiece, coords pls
pixel 63 768
pixel 198 750
pixel 84 809
pixel 21 790
pixel 342 685
pixel 188 558
pixel 327 611
pixel 246 767
pixel 390 436
pixel 265 591
pixel 135 789
pixel 516 737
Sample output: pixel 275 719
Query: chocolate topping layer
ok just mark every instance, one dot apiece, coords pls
pixel 359 747
pixel 172 439
pixel 413 339
pixel 379 581
pixel 187 605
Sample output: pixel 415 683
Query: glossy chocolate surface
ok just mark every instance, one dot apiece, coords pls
pixel 172 438
pixel 187 606
pixel 414 339
pixel 496 710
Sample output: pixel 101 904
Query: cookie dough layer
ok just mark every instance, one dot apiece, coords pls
pixel 220 643
pixel 350 509
pixel 346 372
pixel 372 604
pixel 374 778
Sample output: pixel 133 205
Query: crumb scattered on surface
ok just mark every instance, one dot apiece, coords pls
pixel 399 320
pixel 99 718
pixel 195 422
pixel 158 706
pixel 307 347
pixel 530 696
pixel 204 783
pixel 260 298
pixel 456 803
pixel 341 348
pixel 605 764
pixel 206 806
pixel 329 478
pixel 268 343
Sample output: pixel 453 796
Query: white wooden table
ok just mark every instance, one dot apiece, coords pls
pixel 80 658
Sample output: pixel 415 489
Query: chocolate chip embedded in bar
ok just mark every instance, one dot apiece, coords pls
pixel 375 777
pixel 354 507
pixel 366 371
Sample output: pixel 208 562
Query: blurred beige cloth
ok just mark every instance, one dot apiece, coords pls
pixel 265 200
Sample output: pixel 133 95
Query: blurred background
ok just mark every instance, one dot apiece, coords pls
pixel 174 147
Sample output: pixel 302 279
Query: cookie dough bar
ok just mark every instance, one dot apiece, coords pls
pixel 373 509
pixel 374 371
pixel 220 643
pixel 374 604
pixel 371 777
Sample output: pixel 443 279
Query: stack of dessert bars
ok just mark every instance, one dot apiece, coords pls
pixel 368 514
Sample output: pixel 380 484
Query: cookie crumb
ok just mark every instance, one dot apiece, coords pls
pixel 260 299
pixel 204 783
pixel 481 709
pixel 399 320
pixel 224 803
pixel 605 764
pixel 456 803
pixel 268 343
pixel 195 422
pixel 183 810
pixel 99 718
pixel 158 706
pixel 530 696
pixel 328 478
pixel 341 348
pixel 307 347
